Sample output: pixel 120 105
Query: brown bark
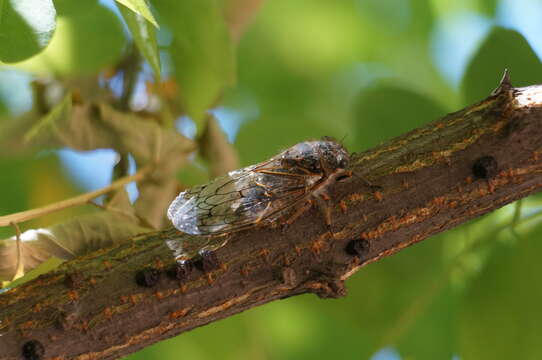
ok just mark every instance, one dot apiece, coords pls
pixel 429 180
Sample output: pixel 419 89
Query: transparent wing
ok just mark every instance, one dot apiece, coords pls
pixel 236 201
pixel 187 248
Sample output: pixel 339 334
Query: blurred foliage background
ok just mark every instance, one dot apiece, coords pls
pixel 275 73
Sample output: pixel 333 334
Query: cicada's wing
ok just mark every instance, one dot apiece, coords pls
pixel 236 201
pixel 187 248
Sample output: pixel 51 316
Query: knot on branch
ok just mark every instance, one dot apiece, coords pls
pixel 485 167
pixel 33 350
pixel 327 288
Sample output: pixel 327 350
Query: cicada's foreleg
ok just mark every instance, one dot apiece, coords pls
pixel 322 201
pixel 297 213
pixel 214 242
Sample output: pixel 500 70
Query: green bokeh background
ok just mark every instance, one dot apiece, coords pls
pixel 348 69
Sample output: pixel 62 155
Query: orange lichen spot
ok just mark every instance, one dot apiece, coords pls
pixel 439 200
pixel 73 295
pixel 378 195
pixel 491 187
pixel 36 308
pixel 286 260
pixel 107 265
pixel 409 219
pixel 355 197
pixel 183 288
pixel 482 191
pixel 223 266
pixel 27 325
pixel 318 246
pixel 108 314
pixel 342 205
pixel 179 313
pixel 159 295
pixel 394 223
pixel 439 125
pixel 365 218
pixel 92 281
pixel 535 156
pixel 452 204
pixel 245 270
pixel 210 279
pixel 298 250
pixel 158 263
pixel 84 325
pixel 468 180
pixel 133 299
pixel 264 253
pixel 124 299
pixel 414 239
pixel 424 212
pixel 406 185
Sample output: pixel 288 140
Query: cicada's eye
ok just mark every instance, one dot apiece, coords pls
pixel 311 163
pixel 288 162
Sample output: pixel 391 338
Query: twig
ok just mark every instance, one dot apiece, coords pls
pixel 19 217
pixel 19 272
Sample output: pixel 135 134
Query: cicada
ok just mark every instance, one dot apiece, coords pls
pixel 284 186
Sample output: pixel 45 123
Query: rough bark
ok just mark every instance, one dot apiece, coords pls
pixel 113 302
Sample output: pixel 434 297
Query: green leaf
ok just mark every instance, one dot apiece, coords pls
pixel 59 113
pixel 489 7
pixel 201 50
pixel 139 7
pixel 26 27
pixel 144 37
pixel 501 317
pixel 383 112
pixel 88 38
pixel 502 49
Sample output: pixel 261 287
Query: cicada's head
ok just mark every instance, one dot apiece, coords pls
pixel 334 155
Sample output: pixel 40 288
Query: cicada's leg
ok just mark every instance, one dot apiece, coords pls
pixel 348 174
pixel 214 242
pixel 297 213
pixel 322 201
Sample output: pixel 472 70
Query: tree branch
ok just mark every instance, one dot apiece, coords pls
pixel 115 301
